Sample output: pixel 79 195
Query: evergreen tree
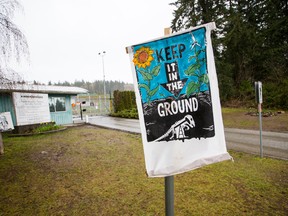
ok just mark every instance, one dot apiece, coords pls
pixel 250 43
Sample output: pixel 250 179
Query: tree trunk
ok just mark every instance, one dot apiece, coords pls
pixel 1 145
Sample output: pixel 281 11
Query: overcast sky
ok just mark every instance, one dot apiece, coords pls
pixel 65 36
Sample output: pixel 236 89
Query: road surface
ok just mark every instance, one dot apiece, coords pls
pixel 274 144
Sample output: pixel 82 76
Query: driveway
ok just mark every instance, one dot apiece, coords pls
pixel 274 144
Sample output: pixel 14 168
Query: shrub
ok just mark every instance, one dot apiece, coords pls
pixel 43 127
pixel 132 114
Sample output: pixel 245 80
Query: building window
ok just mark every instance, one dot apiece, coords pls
pixel 57 104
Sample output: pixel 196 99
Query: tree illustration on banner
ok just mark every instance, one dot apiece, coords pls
pixel 198 60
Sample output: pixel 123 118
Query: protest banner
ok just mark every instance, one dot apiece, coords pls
pixel 178 102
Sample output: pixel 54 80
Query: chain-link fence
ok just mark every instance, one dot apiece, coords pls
pixel 91 105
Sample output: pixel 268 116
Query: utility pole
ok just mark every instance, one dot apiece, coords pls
pixel 102 55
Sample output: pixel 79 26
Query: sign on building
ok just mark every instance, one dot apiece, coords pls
pixel 178 102
pixel 6 123
pixel 31 108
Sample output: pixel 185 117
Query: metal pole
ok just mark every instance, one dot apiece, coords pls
pixel 81 111
pixel 169 180
pixel 169 195
pixel 103 53
pixel 260 129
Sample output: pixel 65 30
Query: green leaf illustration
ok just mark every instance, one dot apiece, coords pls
pixel 191 88
pixel 145 86
pixel 156 70
pixel 198 52
pixel 154 91
pixel 192 69
pixel 192 57
pixel 204 79
pixel 203 60
pixel 146 76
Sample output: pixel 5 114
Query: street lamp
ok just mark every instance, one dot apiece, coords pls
pixel 102 55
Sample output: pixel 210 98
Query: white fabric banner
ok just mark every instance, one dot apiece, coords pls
pixel 178 102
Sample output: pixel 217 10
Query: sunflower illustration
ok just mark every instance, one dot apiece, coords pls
pixel 143 57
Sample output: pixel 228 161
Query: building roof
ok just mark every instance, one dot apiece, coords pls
pixel 48 89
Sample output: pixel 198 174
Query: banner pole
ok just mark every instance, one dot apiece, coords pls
pixel 169 195
pixel 169 180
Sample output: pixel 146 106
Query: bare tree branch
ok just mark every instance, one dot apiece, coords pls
pixel 13 43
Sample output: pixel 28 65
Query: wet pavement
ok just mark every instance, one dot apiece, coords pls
pixel 274 144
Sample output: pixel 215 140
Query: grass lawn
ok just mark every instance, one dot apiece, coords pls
pixel 238 118
pixel 93 171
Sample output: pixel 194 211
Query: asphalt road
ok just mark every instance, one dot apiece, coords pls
pixel 274 144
